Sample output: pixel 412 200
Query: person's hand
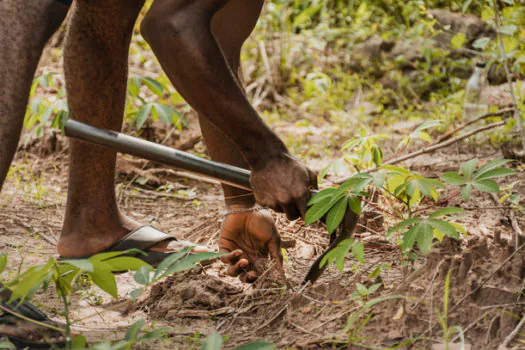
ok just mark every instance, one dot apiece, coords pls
pixel 249 237
pixel 283 184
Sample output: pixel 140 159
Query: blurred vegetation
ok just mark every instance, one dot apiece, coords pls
pixel 312 62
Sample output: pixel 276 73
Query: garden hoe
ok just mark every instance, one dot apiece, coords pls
pixel 207 169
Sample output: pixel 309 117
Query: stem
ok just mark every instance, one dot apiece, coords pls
pixel 381 209
pixel 68 322
pixel 517 115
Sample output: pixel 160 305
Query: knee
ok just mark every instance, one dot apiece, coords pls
pixel 172 21
pixel 175 20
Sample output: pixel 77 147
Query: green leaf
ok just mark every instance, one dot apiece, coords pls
pixel 354 203
pixel 136 293
pixel 458 41
pixel 409 238
pixel 143 275
pixel 374 287
pixel 403 224
pixel 495 173
pixel 134 330
pixel 170 260
pixel 338 254
pixel 125 263
pixel 305 15
pixel 190 261
pixel 104 279
pixel 466 5
pixel 79 342
pixel 510 43
pixel 489 186
pixel 143 115
pixel 361 289
pixel 317 211
pixel 258 345
pixel 445 228
pixel 3 262
pixel 336 214
pixel 153 85
pixel 453 178
pixel 164 113
pixel 82 264
pixel 424 237
pixel 358 250
pixel 467 168
pixel 446 211
pixel 377 155
pixel 319 196
pixel 465 192
pixel 7 345
pixel 491 165
pixel 487 13
pixel 481 43
pixel 212 342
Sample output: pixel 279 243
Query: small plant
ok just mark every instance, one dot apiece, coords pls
pixel 100 269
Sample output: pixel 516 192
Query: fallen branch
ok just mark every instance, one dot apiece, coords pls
pixel 500 113
pixel 433 147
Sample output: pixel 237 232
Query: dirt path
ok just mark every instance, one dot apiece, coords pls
pixel 484 290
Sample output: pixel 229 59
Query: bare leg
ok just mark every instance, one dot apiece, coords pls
pixel 96 57
pixel 180 34
pixel 253 232
pixel 25 27
pixel 231 26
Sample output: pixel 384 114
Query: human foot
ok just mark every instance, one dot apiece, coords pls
pixel 96 236
pixel 249 234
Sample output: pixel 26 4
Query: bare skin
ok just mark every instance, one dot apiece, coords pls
pixel 198 45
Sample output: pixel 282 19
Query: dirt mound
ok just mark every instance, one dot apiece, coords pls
pixel 484 295
pixel 188 295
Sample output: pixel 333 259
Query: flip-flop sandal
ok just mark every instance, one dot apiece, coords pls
pixel 146 237
pixel 30 311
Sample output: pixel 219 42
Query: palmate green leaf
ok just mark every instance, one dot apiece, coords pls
pixel 446 211
pixel 338 254
pixel 28 283
pixel 424 237
pixel 258 345
pixel 494 173
pixel 444 228
pixel 467 168
pixel 336 214
pixel 212 342
pixel 162 112
pixel 465 192
pixel 489 186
